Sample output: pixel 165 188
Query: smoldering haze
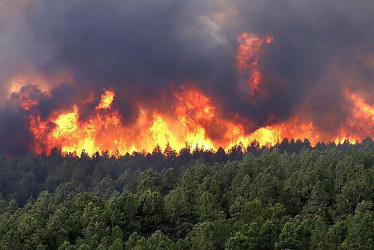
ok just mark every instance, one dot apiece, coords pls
pixel 145 49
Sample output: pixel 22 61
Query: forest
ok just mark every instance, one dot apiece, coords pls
pixel 290 196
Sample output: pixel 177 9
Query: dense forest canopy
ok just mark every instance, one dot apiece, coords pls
pixel 291 196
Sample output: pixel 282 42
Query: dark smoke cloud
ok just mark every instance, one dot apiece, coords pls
pixel 15 136
pixel 310 38
pixel 142 48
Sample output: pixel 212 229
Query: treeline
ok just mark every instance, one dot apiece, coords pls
pixel 291 196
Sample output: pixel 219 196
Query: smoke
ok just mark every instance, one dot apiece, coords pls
pixel 71 50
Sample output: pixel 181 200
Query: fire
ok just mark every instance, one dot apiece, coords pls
pixel 362 109
pixel 97 134
pixel 66 123
pixel 106 100
pixel 360 123
pixel 193 108
pixel 162 135
pixel 195 119
pixel 26 102
pixel 247 56
pixel 194 116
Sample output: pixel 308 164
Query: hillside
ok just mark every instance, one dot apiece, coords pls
pixel 291 196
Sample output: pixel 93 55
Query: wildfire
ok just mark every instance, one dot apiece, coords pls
pixel 195 120
pixel 194 116
pixel 106 100
pixel 360 124
pixel 105 131
pixel 247 56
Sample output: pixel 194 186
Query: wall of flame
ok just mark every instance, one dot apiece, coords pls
pixel 194 121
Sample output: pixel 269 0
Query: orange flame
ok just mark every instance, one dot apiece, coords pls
pixel 195 115
pixel 195 120
pixel 106 100
pixel 247 56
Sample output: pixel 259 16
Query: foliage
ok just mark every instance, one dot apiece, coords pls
pixel 288 197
